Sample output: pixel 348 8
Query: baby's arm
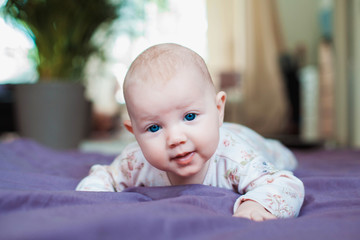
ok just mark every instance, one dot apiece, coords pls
pixel 99 180
pixel 121 174
pixel 107 178
pixel 279 193
pixel 260 174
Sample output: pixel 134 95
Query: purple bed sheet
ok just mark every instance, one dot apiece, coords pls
pixel 38 201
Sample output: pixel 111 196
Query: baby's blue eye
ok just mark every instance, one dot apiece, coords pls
pixel 190 116
pixel 154 128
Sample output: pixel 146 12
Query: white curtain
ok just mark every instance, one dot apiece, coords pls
pixel 245 36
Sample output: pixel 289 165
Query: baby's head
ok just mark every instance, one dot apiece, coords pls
pixel 175 113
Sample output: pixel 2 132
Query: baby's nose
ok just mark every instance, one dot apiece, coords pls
pixel 175 137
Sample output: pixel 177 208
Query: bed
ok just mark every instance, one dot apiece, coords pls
pixel 38 201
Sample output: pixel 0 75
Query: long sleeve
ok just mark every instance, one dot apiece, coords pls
pixel 129 169
pixel 122 173
pixel 280 192
pixel 255 168
pixel 98 180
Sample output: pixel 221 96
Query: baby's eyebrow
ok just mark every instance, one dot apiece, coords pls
pixel 147 117
pixel 189 105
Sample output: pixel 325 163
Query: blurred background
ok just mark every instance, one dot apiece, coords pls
pixel 291 69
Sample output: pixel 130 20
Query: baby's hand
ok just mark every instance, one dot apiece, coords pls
pixel 254 211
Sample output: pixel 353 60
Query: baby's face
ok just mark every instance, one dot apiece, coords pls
pixel 176 123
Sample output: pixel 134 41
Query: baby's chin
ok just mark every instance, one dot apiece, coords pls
pixel 194 173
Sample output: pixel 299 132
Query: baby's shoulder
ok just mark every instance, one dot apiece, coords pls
pixel 131 154
pixel 238 145
pixel 239 131
pixel 235 137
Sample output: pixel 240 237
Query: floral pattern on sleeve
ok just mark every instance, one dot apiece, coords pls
pixel 98 180
pixel 280 193
pixel 129 164
pixel 279 206
pixel 251 171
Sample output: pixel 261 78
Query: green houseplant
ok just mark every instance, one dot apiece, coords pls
pixel 54 111
pixel 63 32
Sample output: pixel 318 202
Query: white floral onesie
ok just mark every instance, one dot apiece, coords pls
pixel 244 162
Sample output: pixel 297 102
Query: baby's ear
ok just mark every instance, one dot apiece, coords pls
pixel 220 104
pixel 128 126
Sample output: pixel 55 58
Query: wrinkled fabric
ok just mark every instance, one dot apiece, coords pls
pixel 37 201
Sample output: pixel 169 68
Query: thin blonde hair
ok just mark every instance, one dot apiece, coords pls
pixel 161 62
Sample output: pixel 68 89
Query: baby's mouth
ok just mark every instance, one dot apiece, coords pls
pixel 183 158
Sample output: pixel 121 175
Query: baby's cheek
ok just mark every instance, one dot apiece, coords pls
pixel 208 143
pixel 153 153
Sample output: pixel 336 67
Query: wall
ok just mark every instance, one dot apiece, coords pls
pixel 355 101
pixel 300 25
pixel 347 39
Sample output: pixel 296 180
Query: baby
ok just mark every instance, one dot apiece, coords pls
pixel 176 117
